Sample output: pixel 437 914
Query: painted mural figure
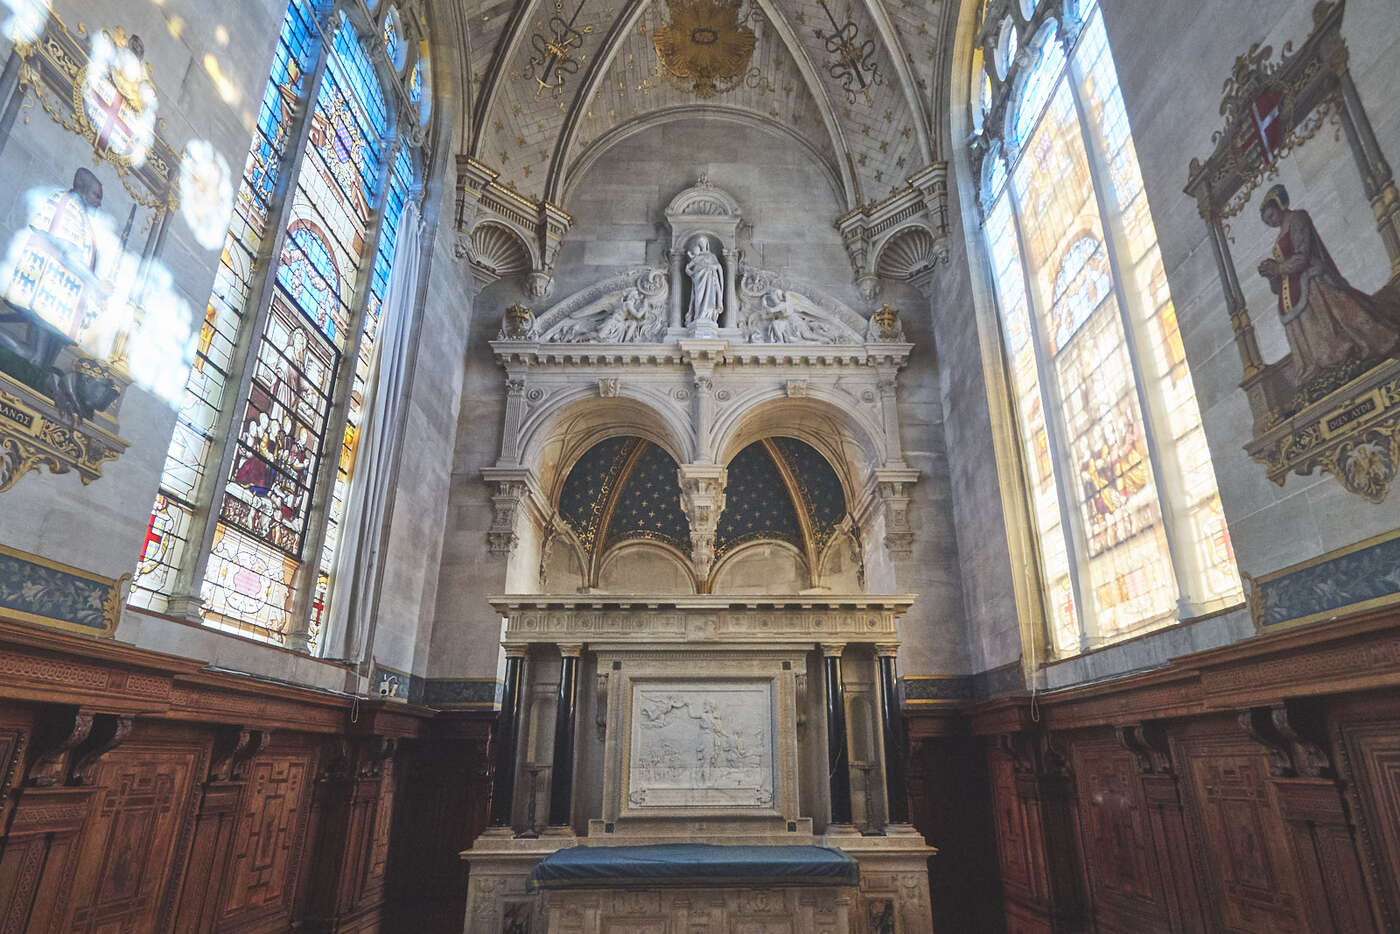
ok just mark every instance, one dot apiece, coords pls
pixel 1328 323
pixel 706 284
pixel 54 286
pixel 55 297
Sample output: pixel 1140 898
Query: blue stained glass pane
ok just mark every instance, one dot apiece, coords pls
pixel 354 71
pixel 309 275
pixel 415 82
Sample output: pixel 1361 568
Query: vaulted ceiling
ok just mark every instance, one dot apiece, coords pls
pixel 870 139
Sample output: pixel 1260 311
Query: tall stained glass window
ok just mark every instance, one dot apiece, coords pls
pixel 260 481
pixel 1122 492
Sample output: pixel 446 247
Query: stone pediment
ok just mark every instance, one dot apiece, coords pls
pixel 775 310
pixel 625 309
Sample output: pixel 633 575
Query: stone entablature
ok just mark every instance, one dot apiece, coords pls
pixel 537 618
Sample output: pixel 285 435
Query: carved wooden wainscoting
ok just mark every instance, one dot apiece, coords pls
pixel 142 793
pixel 1254 788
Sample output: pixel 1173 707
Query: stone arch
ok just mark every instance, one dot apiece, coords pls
pixel 552 441
pixel 851 441
pixel 641 552
pixel 727 565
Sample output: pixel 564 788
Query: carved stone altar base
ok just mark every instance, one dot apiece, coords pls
pixel 707 727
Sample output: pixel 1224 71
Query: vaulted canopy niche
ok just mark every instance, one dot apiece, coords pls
pixel 619 524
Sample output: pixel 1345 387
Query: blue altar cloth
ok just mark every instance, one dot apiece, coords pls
pixel 694 864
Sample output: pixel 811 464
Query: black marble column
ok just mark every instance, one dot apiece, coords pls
pixel 837 760
pixel 892 726
pixel 561 779
pixel 503 743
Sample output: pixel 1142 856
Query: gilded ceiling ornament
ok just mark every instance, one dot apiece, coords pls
pixel 705 47
pixel 853 61
pixel 556 54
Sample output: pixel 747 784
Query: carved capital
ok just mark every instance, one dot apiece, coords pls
pixel 539 283
pixel 506 496
pixel 893 489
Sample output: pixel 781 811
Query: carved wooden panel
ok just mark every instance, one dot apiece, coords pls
pixel 1013 843
pixel 1370 756
pixel 1252 882
pixel 383 826
pixel 1116 838
pixel 133 847
pixel 269 835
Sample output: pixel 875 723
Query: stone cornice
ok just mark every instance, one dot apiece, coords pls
pixel 534 354
pixel 703 619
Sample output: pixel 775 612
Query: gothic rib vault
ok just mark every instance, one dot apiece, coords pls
pixel 551 85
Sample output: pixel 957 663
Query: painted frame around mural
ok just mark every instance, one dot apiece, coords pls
pixel 33 577
pixel 1334 566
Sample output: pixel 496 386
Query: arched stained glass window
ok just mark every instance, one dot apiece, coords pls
pixel 1122 492
pixel 265 497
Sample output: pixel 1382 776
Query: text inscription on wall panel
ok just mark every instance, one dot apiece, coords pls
pixel 1251 871
pixel 136 836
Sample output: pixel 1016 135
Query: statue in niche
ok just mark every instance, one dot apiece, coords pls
pixel 1329 324
pixel 706 284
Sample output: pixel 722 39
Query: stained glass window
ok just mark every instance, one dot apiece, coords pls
pixel 194 445
pixel 275 510
pixel 1109 425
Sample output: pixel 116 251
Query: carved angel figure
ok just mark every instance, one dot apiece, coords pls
pixel 636 314
pixel 634 320
pixel 787 318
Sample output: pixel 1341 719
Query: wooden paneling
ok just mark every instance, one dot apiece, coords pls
pixel 140 793
pixel 1249 789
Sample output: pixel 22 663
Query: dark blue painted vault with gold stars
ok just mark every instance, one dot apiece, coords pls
pixel 627 489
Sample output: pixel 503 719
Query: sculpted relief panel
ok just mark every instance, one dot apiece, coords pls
pixel 701 745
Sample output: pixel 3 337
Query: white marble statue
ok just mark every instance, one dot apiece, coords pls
pixel 789 319
pixel 706 284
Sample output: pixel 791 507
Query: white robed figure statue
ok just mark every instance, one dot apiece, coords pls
pixel 706 284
